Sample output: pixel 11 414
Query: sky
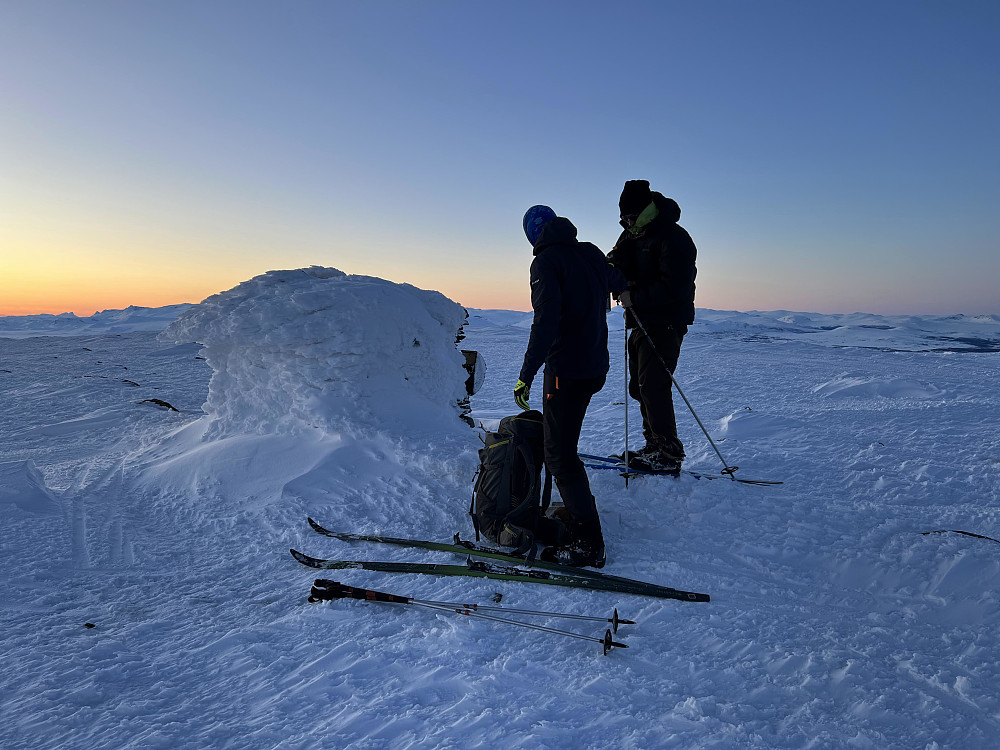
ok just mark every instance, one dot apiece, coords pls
pixel 827 157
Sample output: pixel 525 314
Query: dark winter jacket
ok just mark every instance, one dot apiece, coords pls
pixel 570 283
pixel 658 259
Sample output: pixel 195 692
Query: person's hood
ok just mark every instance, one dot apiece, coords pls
pixel 558 231
pixel 668 208
pixel 660 209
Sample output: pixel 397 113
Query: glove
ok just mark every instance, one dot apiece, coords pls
pixel 625 298
pixel 522 394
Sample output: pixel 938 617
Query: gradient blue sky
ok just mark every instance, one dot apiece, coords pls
pixel 828 157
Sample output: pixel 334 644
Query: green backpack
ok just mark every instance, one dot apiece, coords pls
pixel 509 499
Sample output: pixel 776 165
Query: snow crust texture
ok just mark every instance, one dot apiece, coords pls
pixel 318 349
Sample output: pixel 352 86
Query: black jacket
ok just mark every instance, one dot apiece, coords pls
pixel 659 263
pixel 570 283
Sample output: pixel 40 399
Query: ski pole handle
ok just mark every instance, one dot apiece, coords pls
pixel 324 589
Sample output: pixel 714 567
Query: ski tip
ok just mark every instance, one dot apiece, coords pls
pixel 312 562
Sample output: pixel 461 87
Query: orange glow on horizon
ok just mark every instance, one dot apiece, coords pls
pixel 24 292
pixel 84 306
pixel 58 294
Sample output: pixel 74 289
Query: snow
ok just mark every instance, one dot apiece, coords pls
pixel 835 621
pixel 23 485
pixel 303 350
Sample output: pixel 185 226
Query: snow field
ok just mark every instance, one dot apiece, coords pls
pixel 835 622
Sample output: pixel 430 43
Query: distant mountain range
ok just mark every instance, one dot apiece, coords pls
pixel 130 319
pixel 954 333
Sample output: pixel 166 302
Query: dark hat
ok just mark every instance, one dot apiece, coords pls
pixel 635 197
pixel 535 218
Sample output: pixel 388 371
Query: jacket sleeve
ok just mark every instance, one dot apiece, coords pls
pixel 546 301
pixel 623 257
pixel 616 279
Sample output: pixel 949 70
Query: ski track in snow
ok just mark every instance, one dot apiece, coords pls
pixel 834 622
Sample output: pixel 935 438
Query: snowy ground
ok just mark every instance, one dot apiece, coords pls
pixel 834 621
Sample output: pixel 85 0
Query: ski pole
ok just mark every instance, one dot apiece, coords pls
pixel 326 589
pixel 615 620
pixel 625 328
pixel 730 470
pixel 605 641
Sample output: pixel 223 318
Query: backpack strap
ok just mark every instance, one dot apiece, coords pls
pixel 529 461
pixel 546 501
pixel 527 547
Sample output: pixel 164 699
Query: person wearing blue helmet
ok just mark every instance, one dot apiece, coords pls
pixel 570 286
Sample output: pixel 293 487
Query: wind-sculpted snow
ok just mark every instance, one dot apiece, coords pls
pixel 21 484
pixel 851 385
pixel 747 424
pixel 318 349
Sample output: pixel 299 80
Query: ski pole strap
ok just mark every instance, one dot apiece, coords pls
pixel 325 590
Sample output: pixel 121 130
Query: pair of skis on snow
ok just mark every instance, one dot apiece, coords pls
pixel 538 571
pixel 615 463
pixel 550 574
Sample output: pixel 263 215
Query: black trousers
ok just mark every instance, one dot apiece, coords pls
pixel 565 405
pixel 650 384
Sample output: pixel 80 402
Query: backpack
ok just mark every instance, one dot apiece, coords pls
pixel 508 500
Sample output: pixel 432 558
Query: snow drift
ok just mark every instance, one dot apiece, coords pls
pixel 22 484
pixel 316 348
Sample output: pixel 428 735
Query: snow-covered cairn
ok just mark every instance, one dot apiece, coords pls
pixel 315 348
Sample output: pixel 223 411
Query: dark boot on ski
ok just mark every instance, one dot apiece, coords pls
pixel 654 463
pixel 576 554
pixel 661 456
pixel 640 454
pixel 664 463
pixel 584 549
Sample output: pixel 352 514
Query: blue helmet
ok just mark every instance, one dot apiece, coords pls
pixel 535 218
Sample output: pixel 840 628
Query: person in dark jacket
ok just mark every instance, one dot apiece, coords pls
pixel 570 286
pixel 657 257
